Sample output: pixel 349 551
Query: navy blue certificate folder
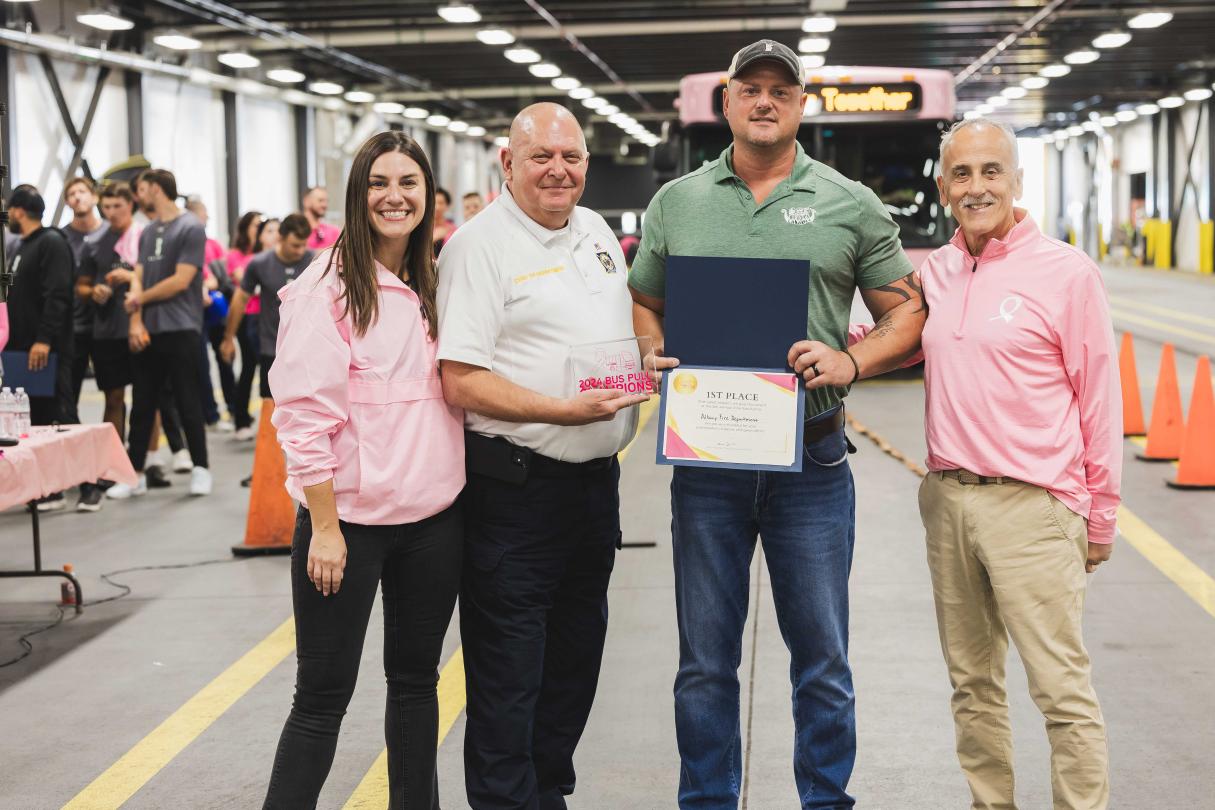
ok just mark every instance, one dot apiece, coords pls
pixel 17 373
pixel 744 313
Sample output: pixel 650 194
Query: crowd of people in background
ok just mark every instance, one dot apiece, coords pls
pixel 133 291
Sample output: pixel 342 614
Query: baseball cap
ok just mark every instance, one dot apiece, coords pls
pixel 768 49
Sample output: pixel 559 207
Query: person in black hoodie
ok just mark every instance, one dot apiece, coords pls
pixel 40 308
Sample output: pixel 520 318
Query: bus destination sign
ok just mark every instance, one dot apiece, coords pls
pixel 854 99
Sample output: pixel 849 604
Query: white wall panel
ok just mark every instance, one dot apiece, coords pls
pixel 184 133
pixel 265 139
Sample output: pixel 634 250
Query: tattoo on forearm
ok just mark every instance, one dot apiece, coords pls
pixel 906 294
pixel 884 327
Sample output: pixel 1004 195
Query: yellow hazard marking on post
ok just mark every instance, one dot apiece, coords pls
pixel 372 792
pixel 136 767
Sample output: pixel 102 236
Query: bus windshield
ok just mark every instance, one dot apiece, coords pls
pixel 897 160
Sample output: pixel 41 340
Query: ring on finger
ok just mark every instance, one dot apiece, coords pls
pixel 814 368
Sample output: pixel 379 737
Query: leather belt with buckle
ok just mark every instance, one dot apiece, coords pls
pixel 967 477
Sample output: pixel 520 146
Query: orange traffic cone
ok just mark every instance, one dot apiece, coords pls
pixel 271 511
pixel 1196 469
pixel 1132 403
pixel 1164 434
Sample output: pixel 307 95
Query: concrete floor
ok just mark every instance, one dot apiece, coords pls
pixel 96 685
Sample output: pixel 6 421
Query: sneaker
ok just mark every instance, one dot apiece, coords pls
pixel 200 481
pixel 244 434
pixel 225 426
pixel 51 503
pixel 157 478
pixel 182 462
pixel 90 498
pixel 120 491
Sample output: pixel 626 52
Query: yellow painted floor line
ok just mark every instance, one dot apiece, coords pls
pixel 1141 443
pixel 647 410
pixel 1168 312
pixel 372 792
pixel 126 776
pixel 1196 583
pixel 1203 337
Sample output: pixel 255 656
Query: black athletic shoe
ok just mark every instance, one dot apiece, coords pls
pixel 90 498
pixel 51 503
pixel 156 478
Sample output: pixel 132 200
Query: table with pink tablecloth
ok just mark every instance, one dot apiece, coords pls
pixel 54 459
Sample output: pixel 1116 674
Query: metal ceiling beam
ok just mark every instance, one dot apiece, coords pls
pixel 385 32
pixel 1042 16
pixel 524 91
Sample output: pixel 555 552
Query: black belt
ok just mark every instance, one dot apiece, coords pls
pixel 817 431
pixel 498 458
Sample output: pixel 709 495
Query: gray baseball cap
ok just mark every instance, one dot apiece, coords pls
pixel 768 49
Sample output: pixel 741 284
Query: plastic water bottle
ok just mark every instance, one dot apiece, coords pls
pixel 67 591
pixel 22 430
pixel 8 413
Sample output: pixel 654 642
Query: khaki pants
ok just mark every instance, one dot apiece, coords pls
pixel 1008 559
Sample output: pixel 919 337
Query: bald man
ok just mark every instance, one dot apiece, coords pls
pixel 543 518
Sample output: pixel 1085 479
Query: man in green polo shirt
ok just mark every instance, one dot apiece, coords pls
pixel 765 198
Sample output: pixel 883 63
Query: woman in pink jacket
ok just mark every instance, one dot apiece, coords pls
pixel 378 458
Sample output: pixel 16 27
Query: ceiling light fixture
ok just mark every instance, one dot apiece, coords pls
pixel 1014 92
pixel 1124 116
pixel 359 97
pixel 457 12
pixel 416 113
pixel 501 140
pixel 1147 109
pixel 1075 130
pixel 594 102
pixel 813 44
pixel 580 93
pixel 438 120
pixel 324 88
pixel 1171 102
pixel 239 61
pixel 810 61
pixel 545 70
pixel 458 126
pixel 1112 39
pixel 971 115
pixel 105 21
pixel 566 83
pixel 1109 121
pixel 285 75
pixel 1082 57
pixel 996 102
pixel 177 42
pixel 1035 82
pixel 1090 126
pixel 389 108
pixel 1150 19
pixel 1054 71
pixel 475 132
pixel 818 24
pixel 985 109
pixel 610 109
pixel 495 36
pixel 521 56
pixel 1198 94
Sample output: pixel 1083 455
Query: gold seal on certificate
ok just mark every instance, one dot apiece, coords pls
pixel 734 418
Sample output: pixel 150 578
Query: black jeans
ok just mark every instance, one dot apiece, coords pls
pixel 247 339
pixel 533 617
pixel 172 357
pixel 81 353
pixel 214 335
pixel 418 567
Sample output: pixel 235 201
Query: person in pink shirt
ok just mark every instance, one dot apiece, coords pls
pixel 316 205
pixel 244 247
pixel 1023 424
pixel 377 456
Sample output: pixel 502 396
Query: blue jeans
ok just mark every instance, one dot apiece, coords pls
pixel 807 522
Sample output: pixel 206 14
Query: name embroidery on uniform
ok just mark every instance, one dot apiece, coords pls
pixel 799 216
pixel 529 276
pixel 605 259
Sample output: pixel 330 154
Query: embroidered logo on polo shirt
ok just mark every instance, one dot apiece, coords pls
pixel 1008 307
pixel 605 259
pixel 799 216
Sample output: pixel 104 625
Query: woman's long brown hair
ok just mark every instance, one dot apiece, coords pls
pixel 354 252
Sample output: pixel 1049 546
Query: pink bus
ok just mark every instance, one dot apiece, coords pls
pixel 879 125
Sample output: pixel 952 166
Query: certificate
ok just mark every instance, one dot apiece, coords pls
pixel 733 418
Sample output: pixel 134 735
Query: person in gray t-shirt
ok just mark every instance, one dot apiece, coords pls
pixel 84 228
pixel 266 274
pixel 166 308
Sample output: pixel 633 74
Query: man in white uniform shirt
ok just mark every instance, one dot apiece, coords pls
pixel 529 278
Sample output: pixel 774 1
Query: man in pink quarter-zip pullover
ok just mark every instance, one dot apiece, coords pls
pixel 1024 458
